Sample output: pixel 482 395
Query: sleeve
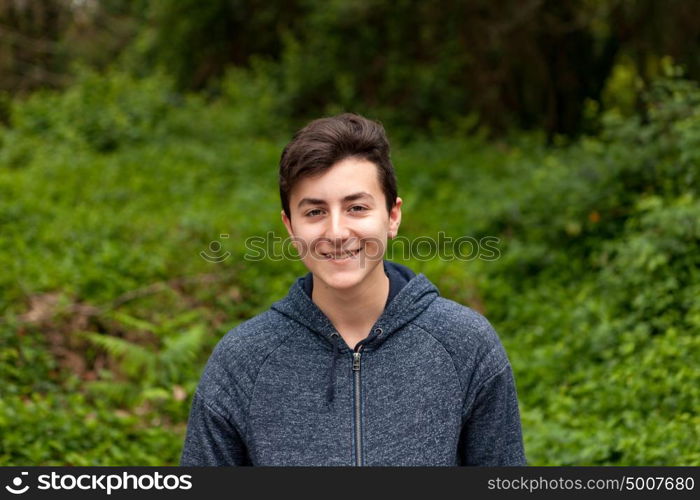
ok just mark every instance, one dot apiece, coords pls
pixel 211 439
pixel 491 434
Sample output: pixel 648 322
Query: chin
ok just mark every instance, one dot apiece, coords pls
pixel 342 279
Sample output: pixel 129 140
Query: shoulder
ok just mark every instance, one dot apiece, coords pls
pixel 253 337
pixel 237 358
pixel 467 336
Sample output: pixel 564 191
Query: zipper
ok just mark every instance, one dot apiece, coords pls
pixel 356 357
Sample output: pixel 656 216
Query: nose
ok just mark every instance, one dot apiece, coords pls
pixel 337 229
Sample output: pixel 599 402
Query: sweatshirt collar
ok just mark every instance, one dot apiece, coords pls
pixel 398 275
pixel 409 295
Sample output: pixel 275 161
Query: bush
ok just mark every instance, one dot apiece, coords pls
pixel 101 113
pixel 110 191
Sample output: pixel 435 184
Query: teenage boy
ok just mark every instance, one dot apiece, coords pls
pixel 363 362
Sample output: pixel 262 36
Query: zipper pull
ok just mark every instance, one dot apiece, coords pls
pixel 356 359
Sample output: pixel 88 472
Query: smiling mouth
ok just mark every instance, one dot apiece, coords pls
pixel 341 256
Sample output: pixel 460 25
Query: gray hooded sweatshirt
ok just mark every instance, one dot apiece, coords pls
pixel 431 385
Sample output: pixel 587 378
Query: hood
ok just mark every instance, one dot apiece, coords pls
pixel 415 295
pixel 407 303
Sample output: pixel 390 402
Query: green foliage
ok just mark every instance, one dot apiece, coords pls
pixel 109 192
pixel 99 113
pixel 67 429
pixel 153 374
pixel 539 66
pixel 610 233
pixel 546 65
pixel 197 41
pixel 595 292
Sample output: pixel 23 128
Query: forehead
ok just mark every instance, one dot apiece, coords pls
pixel 348 176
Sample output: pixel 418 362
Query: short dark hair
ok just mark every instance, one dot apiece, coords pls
pixel 326 141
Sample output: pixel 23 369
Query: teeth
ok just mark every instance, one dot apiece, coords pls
pixel 341 256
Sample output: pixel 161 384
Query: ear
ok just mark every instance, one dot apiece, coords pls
pixel 287 223
pixel 395 218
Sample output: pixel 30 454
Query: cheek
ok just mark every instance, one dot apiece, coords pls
pixel 372 228
pixel 375 226
pixel 309 238
pixel 375 248
pixel 305 233
pixel 301 237
pixel 375 237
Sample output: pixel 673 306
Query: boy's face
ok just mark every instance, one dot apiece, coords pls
pixel 340 223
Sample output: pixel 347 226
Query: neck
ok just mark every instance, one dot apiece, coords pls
pixel 353 311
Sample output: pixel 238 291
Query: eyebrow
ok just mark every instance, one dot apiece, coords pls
pixel 350 197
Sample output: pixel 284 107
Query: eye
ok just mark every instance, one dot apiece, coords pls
pixel 360 207
pixel 312 213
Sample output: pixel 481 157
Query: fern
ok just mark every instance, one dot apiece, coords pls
pixel 135 323
pixel 178 321
pixel 121 392
pixel 152 371
pixel 182 348
pixel 134 359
